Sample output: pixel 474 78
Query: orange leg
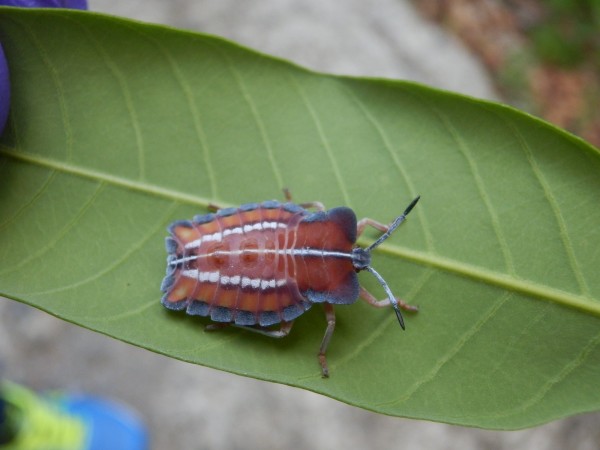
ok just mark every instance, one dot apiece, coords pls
pixel 366 295
pixel 317 205
pixel 330 316
pixel 371 300
pixel 362 224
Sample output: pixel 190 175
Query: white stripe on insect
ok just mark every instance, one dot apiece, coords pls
pixel 313 252
pixel 219 235
pixel 236 230
pixel 236 280
pixel 289 251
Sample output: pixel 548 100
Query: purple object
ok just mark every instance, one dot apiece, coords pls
pixel 4 90
pixel 74 4
pixel 4 79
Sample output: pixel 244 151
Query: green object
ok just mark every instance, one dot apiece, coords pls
pixel 118 128
pixel 567 35
pixel 40 424
pixel 59 421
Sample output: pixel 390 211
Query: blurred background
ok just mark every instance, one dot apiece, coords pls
pixel 540 56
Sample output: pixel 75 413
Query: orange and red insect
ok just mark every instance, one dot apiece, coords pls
pixel 263 264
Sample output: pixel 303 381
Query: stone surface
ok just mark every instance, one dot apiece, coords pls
pixel 384 38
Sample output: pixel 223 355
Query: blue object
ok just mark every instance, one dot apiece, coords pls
pixel 61 421
pixel 108 425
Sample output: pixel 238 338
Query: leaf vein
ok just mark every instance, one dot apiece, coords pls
pixel 429 241
pixel 29 203
pixel 55 77
pixel 322 136
pixel 577 361
pixel 513 283
pixel 390 321
pixel 465 151
pixel 113 68
pixel 562 226
pixel 255 115
pixel 189 96
pixel 113 265
pixel 451 353
pixel 49 244
pixel 114 180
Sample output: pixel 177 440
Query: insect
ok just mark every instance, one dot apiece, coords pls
pixel 263 264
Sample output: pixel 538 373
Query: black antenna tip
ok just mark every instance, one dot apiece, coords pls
pixel 399 316
pixel 412 205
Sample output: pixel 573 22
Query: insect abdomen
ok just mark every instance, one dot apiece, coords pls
pixel 233 265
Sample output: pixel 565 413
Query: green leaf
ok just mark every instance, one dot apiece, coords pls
pixel 118 128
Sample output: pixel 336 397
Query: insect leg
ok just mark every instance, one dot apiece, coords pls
pixel 371 300
pixel 287 194
pixel 216 326
pixel 330 316
pixel 213 207
pixel 283 331
pixel 317 205
pixel 362 224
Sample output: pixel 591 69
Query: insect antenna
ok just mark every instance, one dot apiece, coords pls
pixel 395 224
pixel 388 291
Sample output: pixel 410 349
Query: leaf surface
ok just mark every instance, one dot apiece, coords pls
pixel 118 128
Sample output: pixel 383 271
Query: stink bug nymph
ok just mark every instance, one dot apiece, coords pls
pixel 263 264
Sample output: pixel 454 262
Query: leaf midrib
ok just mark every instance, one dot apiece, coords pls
pixel 430 259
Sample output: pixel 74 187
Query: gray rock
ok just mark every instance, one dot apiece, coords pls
pixel 385 38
